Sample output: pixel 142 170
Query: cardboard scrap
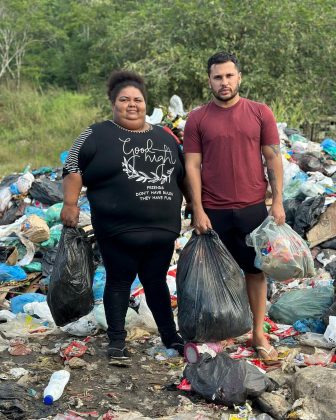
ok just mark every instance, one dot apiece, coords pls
pixel 325 229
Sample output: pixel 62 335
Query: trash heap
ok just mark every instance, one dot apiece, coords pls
pixel 301 320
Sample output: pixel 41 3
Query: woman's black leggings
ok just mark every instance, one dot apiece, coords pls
pixel 147 254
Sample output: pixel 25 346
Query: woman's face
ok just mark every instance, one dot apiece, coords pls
pixel 129 109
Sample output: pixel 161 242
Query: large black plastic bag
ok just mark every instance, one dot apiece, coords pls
pixel 47 191
pixel 211 291
pixel 226 381
pixel 70 290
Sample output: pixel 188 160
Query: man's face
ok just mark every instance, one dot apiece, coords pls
pixel 224 81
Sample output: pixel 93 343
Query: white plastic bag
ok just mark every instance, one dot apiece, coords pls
pixel 5 198
pixel 280 251
pixel 330 332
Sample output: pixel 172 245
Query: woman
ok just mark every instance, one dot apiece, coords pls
pixel 133 173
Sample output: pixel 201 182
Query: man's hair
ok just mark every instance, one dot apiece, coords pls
pixel 120 79
pixel 223 57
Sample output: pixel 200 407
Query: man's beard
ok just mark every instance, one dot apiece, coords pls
pixel 227 99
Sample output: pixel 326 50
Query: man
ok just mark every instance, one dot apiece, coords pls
pixel 224 141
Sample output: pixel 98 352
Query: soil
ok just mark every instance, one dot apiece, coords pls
pixel 147 386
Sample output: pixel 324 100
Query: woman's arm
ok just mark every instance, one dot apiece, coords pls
pixel 72 186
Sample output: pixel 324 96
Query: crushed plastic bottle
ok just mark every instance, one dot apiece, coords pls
pixel 55 388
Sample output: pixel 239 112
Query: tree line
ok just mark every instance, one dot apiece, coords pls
pixel 286 47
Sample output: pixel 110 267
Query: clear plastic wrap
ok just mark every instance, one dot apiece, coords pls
pixel 280 251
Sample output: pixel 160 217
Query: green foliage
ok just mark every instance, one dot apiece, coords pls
pixel 286 47
pixel 37 126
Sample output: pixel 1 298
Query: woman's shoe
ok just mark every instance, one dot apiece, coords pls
pixel 173 341
pixel 118 356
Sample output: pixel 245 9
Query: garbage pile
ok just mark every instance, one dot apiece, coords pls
pixel 301 302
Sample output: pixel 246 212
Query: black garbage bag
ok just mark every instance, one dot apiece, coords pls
pixel 211 291
pixel 291 206
pixel 331 244
pixel 310 163
pixel 70 289
pixel 331 268
pixel 308 213
pixel 8 180
pixel 226 381
pixel 48 261
pixel 47 191
pixel 13 213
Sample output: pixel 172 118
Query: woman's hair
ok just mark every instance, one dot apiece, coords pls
pixel 120 79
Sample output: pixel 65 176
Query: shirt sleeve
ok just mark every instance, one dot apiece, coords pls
pixel 192 137
pixel 72 163
pixel 269 130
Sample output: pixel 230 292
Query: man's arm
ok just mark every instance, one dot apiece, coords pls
pixel 193 163
pixel 273 159
pixel 72 186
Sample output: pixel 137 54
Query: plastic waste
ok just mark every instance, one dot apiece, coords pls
pixel 300 147
pixel 176 106
pixel 156 116
pixel 320 357
pixel 310 163
pixel 6 315
pixel 33 267
pixel 70 289
pixel 293 188
pixel 99 281
pixel 56 385
pixel 297 137
pixel 40 310
pixel 63 156
pixel 15 210
pixel 307 214
pixel 193 351
pixel 24 325
pixel 291 206
pixel 5 198
pixel 329 146
pixel 17 303
pixel 211 291
pixel 330 332
pixel 301 304
pixel 226 381
pixel 309 325
pixel 280 251
pixel 84 326
pixel 290 169
pixel 10 273
pixel 55 236
pixel 29 210
pixel 46 191
pixel 314 340
pixel 23 184
pixel 53 214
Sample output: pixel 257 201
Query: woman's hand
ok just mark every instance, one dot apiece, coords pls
pixel 70 215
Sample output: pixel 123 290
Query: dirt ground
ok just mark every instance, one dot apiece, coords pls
pixel 148 386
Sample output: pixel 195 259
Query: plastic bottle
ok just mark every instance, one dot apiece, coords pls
pixel 56 386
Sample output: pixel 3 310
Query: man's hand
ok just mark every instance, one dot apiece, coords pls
pixel 278 212
pixel 201 222
pixel 70 215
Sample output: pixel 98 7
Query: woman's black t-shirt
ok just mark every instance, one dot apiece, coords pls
pixel 132 178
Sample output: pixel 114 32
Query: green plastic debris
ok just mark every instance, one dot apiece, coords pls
pixel 33 267
pixel 55 235
pixel 53 214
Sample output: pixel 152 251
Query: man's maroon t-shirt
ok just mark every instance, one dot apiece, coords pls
pixel 230 141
